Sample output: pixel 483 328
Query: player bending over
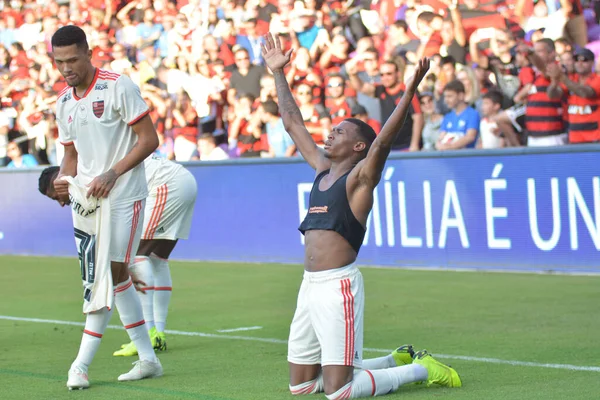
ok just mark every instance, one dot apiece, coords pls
pixel 326 334
pixel 167 218
pixel 104 125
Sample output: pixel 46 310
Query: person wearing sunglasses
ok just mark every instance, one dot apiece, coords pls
pixel 583 97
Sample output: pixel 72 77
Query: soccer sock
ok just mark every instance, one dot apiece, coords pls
pixel 95 324
pixel 142 267
pixel 379 362
pixel 162 290
pixel 310 387
pixel 132 317
pixel 380 382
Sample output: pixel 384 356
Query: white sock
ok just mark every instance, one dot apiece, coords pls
pixel 132 317
pixel 142 267
pixel 380 382
pixel 162 290
pixel 379 362
pixel 95 325
pixel 310 387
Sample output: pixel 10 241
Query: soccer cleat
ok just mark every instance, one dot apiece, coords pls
pixel 128 351
pixel 161 341
pixel 438 373
pixel 403 355
pixel 78 379
pixel 143 369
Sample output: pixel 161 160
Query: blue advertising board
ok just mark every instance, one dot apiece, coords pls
pixel 522 209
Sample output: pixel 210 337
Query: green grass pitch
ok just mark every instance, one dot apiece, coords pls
pixel 540 319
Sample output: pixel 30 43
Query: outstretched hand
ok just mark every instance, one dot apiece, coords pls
pixel 419 74
pixel 273 54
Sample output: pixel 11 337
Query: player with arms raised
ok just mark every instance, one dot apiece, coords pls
pixel 326 334
pixel 104 125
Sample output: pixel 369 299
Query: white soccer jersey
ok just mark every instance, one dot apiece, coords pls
pixel 99 125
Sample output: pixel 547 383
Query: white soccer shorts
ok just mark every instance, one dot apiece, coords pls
pixel 327 328
pixel 170 207
pixel 126 230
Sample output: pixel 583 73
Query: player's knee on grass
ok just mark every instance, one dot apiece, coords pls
pixel 310 387
pixel 342 393
pixel 120 273
pixel 336 377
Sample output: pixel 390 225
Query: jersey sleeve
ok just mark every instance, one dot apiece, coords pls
pixel 64 136
pixel 128 101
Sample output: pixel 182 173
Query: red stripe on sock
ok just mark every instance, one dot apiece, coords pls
pixel 94 334
pixel 167 288
pixel 372 381
pixel 139 323
pixel 122 288
pixel 345 394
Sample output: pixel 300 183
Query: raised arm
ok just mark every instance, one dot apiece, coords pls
pixel 290 113
pixel 371 167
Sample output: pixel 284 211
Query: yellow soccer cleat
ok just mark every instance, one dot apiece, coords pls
pixel 403 355
pixel 161 341
pixel 128 351
pixel 439 374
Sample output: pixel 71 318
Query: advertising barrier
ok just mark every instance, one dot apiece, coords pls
pixel 515 209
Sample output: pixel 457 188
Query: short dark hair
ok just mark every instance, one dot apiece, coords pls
pixel 270 107
pixel 70 35
pixel 401 24
pixel 207 136
pixel 46 178
pixel 364 131
pixel 494 96
pixel 549 44
pixel 448 60
pixel 455 86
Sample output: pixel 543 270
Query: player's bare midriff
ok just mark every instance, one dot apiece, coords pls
pixel 325 250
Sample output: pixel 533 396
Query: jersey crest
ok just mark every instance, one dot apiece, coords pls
pixel 98 108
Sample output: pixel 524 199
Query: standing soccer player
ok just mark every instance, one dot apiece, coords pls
pixel 167 218
pixel 326 334
pixel 104 125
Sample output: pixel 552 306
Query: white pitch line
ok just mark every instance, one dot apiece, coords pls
pixel 248 328
pixel 280 341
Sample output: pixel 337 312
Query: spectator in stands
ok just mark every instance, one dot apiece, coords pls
pixel 18 159
pixel 316 118
pixel 489 136
pixel 337 104
pixel 245 79
pixel 389 92
pixel 360 112
pixel 245 131
pixel 280 142
pixel 183 120
pixel 461 125
pixel 208 149
pixel 544 116
pixel 432 121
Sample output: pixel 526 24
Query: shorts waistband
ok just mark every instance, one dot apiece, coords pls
pixel 331 274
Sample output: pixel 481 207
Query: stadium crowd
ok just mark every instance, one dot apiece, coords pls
pixel 199 66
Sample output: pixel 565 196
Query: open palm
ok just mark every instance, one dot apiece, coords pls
pixel 272 53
